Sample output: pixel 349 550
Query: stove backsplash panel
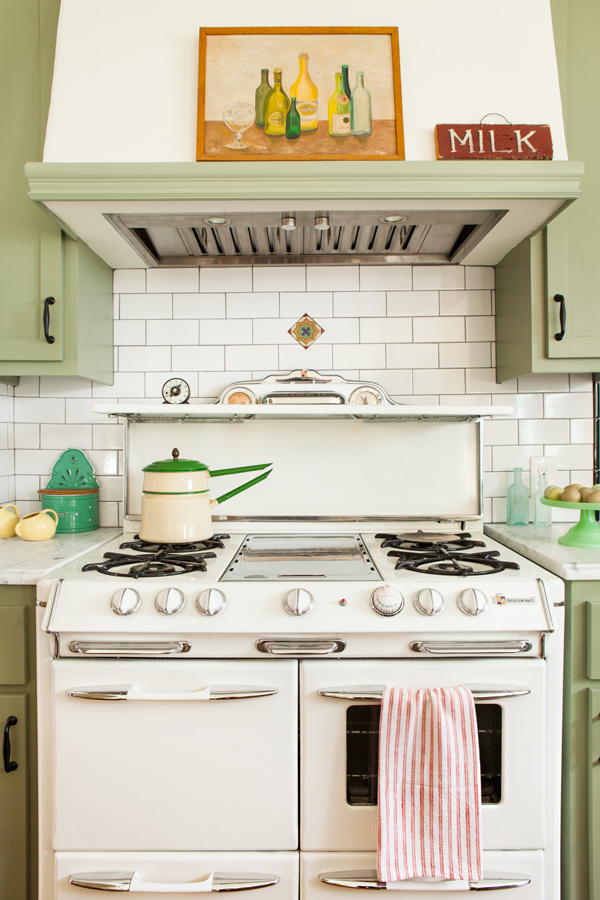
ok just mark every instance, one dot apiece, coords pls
pixel 425 333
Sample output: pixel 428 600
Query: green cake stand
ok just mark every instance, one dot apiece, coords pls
pixel 586 533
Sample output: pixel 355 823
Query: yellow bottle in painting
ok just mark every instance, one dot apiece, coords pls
pixel 338 110
pixel 277 105
pixel 307 96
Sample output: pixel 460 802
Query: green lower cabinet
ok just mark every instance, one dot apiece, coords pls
pixel 18 767
pixel 581 744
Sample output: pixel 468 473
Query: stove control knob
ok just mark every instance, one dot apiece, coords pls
pixel 210 602
pixel 298 602
pixel 125 602
pixel 169 601
pixel 472 602
pixel 387 601
pixel 429 602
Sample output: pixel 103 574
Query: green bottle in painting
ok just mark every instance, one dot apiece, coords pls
pixel 346 81
pixel 360 107
pixel 276 107
pixel 260 97
pixel 338 110
pixel 292 122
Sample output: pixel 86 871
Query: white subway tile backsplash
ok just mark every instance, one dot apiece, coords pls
pixel 506 458
pixel 27 487
pixel 385 278
pixel 412 356
pixel 395 381
pixel 146 306
pixel 226 331
pixel 104 462
pixel 81 410
pixel 570 456
pixel 108 514
pixel 7 462
pixel 553 383
pixel 465 355
pixel 360 356
pixel 438 278
pixel 199 359
pixel 27 436
pixel 315 303
pixel 446 329
pixel 580 382
pixel 170 281
pixel 581 431
pixel 481 328
pixel 359 303
pixel 439 381
pixel 411 303
pixel 129 332
pixel 332 278
pixel 479 277
pixel 293 356
pixel 252 306
pixel 483 381
pixel 172 331
pixel 562 406
pixel 144 359
pixel 46 409
pixel 339 331
pixel 525 406
pixel 254 357
pixel 108 437
pixel 465 303
pixel 62 437
pixel 126 384
pixel 544 431
pixel 385 330
pixel 226 280
pixel 501 431
pixel 129 281
pixel 54 386
pixel 36 462
pixel 199 306
pixel 28 386
pixel 279 278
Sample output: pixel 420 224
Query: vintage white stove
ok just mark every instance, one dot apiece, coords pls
pixel 213 713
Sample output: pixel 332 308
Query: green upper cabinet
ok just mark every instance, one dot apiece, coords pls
pixel 55 299
pixel 563 260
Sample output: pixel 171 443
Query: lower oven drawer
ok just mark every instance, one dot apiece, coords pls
pixel 523 869
pixel 167 768
pixel 339 749
pixel 174 874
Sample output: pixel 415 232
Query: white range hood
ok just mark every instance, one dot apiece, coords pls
pixel 119 166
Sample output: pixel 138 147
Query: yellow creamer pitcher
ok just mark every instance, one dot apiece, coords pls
pixel 8 520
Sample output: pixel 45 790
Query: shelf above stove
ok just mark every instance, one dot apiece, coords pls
pixel 212 412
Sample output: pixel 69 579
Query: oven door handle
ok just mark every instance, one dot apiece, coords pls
pixel 129 648
pixel 471 648
pixel 374 692
pixel 208 692
pixel 213 882
pixel 368 879
pixel 300 647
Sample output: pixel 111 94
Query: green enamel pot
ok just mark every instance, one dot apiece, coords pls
pixel 76 510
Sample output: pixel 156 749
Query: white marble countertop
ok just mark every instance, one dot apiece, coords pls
pixel 25 562
pixel 540 544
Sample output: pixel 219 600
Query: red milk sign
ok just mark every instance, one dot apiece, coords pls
pixel 502 141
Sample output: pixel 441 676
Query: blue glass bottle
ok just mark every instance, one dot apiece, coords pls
pixel 517 500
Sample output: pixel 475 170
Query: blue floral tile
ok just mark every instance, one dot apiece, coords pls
pixel 306 331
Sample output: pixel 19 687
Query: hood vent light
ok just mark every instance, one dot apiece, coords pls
pixel 304 237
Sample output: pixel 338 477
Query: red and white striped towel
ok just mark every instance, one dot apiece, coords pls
pixel 429 789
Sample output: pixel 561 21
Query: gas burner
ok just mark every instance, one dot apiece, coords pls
pixel 442 562
pixel 425 540
pixel 215 542
pixel 151 565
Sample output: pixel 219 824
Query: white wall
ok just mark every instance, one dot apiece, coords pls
pixel 126 73
pixel 7 444
pixel 425 333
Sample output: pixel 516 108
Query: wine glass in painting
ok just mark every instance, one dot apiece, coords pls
pixel 238 117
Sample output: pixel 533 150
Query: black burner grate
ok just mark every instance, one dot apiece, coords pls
pixel 158 560
pixel 443 554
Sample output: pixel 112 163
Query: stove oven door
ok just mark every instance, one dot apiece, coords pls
pixel 171 755
pixel 339 747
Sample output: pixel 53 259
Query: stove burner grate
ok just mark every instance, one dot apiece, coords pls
pixel 423 540
pixel 443 562
pixel 216 541
pixel 159 560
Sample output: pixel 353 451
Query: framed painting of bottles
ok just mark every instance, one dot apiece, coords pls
pixel 299 93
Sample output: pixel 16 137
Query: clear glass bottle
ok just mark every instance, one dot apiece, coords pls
pixel 277 105
pixel 517 500
pixel 292 122
pixel 360 107
pixel 307 96
pixel 260 97
pixel 338 110
pixel 542 515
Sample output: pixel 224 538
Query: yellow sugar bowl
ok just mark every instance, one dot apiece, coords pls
pixel 8 520
pixel 37 526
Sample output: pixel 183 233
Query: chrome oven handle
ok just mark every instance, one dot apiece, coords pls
pixel 213 882
pixel 209 692
pixel 300 647
pixel 368 879
pixel 374 692
pixel 470 648
pixel 158 648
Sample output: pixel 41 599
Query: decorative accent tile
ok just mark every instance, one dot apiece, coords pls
pixel 306 331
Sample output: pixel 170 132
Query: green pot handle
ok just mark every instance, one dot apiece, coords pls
pixel 242 487
pixel 216 472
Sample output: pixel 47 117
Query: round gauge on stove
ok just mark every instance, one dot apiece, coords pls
pixel 387 601
pixel 176 390
pixel 366 396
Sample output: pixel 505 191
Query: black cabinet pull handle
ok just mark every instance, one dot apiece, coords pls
pixel 558 298
pixel 9 765
pixel 48 302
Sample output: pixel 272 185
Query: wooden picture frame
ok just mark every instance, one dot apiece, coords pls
pixel 319 125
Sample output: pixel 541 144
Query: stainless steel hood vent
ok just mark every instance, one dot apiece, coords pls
pixel 245 238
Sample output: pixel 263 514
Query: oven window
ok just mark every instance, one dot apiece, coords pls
pixel 362 740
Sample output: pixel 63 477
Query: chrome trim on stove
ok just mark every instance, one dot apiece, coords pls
pixel 295 647
pixel 125 602
pixel 374 692
pixel 216 692
pixel 470 648
pixel 366 878
pixel 546 604
pixel 125 881
pixel 124 649
pixel 298 602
